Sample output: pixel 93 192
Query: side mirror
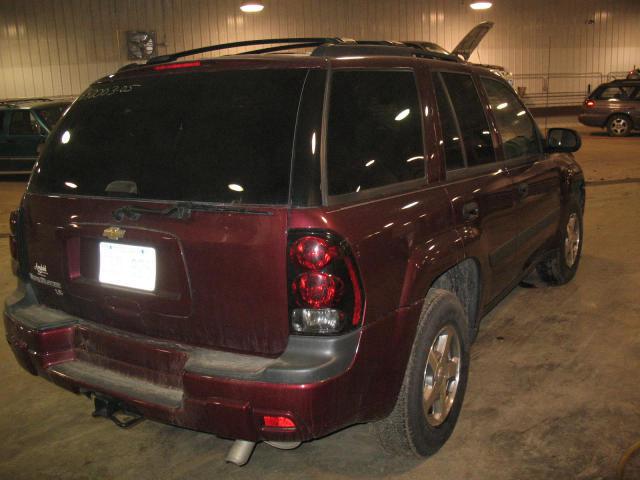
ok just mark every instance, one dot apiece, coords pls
pixel 563 140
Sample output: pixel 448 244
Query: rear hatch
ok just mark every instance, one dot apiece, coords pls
pixel 159 207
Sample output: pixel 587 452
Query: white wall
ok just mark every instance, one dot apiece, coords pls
pixel 57 47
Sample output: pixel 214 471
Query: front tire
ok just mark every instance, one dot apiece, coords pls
pixel 561 265
pixel 435 381
pixel 619 126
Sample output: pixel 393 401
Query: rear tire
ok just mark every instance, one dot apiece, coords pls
pixel 435 381
pixel 619 126
pixel 561 265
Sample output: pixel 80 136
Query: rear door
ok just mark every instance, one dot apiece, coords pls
pixel 479 189
pixel 536 179
pixel 160 207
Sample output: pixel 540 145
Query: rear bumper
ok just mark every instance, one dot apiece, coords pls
pixel 322 384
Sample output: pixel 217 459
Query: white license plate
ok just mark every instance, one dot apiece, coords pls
pixel 128 266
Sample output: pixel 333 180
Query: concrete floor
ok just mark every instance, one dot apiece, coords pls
pixel 553 393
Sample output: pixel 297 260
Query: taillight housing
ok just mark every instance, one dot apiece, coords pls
pixel 325 291
pixel 589 103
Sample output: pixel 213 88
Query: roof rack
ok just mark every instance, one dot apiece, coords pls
pixel 323 46
pixel 293 43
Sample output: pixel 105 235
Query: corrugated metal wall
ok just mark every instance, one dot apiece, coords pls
pixel 57 47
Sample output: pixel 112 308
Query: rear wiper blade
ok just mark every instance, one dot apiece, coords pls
pixel 180 210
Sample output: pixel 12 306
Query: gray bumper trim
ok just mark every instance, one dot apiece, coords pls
pixel 305 360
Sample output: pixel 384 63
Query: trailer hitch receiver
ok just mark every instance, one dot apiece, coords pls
pixel 122 415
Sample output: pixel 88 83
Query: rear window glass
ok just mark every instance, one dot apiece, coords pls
pixel 223 137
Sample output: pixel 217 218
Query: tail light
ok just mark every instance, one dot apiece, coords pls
pixel 325 292
pixel 589 103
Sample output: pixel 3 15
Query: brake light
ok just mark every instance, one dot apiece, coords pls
pixel 317 290
pixel 325 292
pixel 175 66
pixel 589 103
pixel 278 422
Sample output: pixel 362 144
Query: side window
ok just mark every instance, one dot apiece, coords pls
pixel 454 154
pixel 374 130
pixel 23 123
pixel 1 123
pixel 474 128
pixel 614 93
pixel 518 131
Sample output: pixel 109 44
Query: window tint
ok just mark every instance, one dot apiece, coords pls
pixel 454 155
pixel 374 132
pixel 23 123
pixel 216 137
pixel 474 128
pixel 518 131
pixel 1 122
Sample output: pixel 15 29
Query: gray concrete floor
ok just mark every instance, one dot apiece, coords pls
pixel 553 393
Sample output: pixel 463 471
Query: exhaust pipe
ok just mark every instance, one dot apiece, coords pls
pixel 240 452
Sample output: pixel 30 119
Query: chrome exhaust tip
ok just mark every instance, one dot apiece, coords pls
pixel 240 452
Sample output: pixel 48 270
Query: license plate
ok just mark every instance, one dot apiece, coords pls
pixel 128 266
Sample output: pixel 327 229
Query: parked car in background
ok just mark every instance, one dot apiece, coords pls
pixel 614 106
pixel 24 124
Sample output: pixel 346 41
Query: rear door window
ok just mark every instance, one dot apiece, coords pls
pixel 517 128
pixel 474 126
pixel 374 130
pixel 223 137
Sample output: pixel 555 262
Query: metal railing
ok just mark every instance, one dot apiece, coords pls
pixel 559 89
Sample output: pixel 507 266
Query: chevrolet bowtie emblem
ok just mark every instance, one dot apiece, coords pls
pixel 114 233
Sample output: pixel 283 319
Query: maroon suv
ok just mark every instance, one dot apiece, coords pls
pixel 274 247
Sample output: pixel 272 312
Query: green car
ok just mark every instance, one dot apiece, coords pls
pixel 24 124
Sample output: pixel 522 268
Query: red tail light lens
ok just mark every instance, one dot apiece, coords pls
pixel 317 290
pixel 589 103
pixel 278 422
pixel 312 252
pixel 325 292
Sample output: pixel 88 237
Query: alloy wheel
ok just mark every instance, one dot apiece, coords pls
pixel 441 376
pixel 572 240
pixel 619 125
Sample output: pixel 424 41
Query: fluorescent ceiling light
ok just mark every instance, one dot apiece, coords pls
pixel 481 5
pixel 252 6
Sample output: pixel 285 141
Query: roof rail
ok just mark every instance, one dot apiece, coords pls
pixel 323 46
pixel 300 42
pixel 23 100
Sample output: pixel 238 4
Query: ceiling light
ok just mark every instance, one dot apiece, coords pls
pixel 252 6
pixel 235 187
pixel 481 5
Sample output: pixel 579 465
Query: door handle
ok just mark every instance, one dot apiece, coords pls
pixel 523 189
pixel 470 211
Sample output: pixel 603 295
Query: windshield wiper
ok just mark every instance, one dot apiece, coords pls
pixel 180 210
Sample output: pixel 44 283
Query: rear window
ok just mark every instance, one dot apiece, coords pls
pixel 223 137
